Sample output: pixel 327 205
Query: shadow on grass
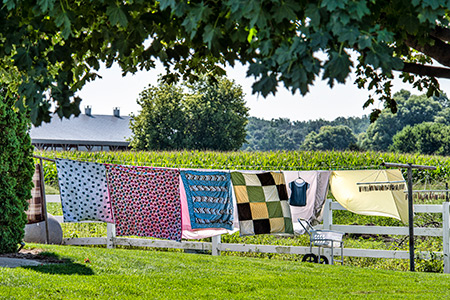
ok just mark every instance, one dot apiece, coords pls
pixel 54 264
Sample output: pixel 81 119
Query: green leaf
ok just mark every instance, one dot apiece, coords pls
pixel 195 15
pixel 319 40
pixel 430 15
pixel 331 5
pixel 256 69
pixel 22 59
pixel 338 67
pixel 63 20
pixel 349 35
pixel 314 14
pixel 116 16
pixel 434 4
pixel 362 9
pixel 374 115
pixel 372 59
pixel 385 36
pixel 410 22
pixel 364 41
pixel 265 47
pixel 211 35
pixel 286 11
pixel 163 4
pixel 267 84
pixel 46 5
pixel 10 4
pixel 252 32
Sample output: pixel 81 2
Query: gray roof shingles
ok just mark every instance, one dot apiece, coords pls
pixel 84 129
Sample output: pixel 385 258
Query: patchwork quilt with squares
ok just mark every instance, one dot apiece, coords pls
pixel 262 203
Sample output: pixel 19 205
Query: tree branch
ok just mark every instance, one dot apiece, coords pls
pixel 440 51
pixel 441 33
pixel 426 70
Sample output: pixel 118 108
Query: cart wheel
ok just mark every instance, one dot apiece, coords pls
pixel 323 260
pixel 310 257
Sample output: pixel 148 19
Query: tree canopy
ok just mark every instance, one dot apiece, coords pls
pixel 330 138
pixel 412 109
pixel 426 138
pixel 203 116
pixel 49 49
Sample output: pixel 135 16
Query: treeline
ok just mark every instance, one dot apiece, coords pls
pixel 420 125
pixel 283 134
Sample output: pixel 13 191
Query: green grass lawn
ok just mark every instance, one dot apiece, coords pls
pixel 130 274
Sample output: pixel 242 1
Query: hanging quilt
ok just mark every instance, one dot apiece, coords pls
pixel 208 196
pixel 371 192
pixel 145 201
pixel 262 203
pixel 35 212
pixel 84 192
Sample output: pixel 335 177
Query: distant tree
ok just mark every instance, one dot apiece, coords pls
pixel 356 124
pixel 443 117
pixel 206 116
pixel 161 123
pixel 379 134
pixel 282 134
pixel 412 109
pixel 424 138
pixel 216 115
pixel 404 141
pixel 330 138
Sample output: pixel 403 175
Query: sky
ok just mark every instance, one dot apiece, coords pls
pixel 345 100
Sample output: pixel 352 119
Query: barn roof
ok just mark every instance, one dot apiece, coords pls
pixel 84 130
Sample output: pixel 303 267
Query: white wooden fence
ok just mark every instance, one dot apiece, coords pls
pixel 216 246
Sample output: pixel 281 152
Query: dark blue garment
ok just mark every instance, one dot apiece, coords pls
pixel 298 193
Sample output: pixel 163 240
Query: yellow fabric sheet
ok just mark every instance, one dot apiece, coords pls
pixel 371 192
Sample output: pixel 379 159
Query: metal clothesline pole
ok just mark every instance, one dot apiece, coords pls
pixel 409 167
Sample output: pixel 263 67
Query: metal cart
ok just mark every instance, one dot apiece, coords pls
pixel 322 239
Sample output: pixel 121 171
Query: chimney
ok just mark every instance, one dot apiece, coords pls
pixel 88 110
pixel 116 112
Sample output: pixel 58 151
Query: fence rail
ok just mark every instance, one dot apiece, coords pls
pixel 216 246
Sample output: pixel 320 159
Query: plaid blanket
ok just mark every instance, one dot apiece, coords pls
pixel 35 212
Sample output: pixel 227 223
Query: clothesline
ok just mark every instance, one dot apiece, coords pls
pixel 218 167
pixel 108 192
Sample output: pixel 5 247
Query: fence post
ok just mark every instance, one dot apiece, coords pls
pixel 446 235
pixel 110 235
pixel 327 215
pixel 216 241
pixel 327 223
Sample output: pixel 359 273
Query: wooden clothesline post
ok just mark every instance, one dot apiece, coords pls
pixel 44 204
pixel 409 167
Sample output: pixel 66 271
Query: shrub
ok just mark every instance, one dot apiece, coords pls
pixel 16 171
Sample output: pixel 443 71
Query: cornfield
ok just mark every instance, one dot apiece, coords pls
pixel 278 160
